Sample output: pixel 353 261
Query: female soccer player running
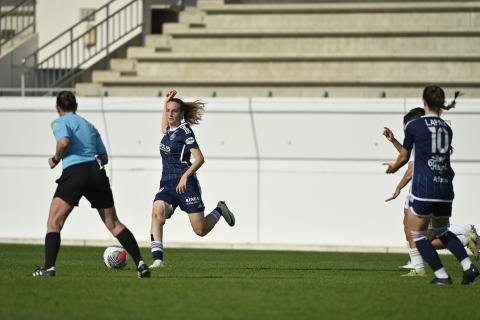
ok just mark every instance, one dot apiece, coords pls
pixel 83 155
pixel 466 234
pixel 179 185
pixel 432 188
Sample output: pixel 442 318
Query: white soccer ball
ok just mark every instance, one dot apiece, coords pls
pixel 115 257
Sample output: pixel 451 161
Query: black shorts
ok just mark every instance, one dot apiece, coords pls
pixel 85 179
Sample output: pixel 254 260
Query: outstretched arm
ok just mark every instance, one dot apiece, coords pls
pixel 400 162
pixel 403 182
pixel 169 95
pixel 390 137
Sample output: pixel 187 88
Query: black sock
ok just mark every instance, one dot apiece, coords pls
pixel 127 240
pixel 453 244
pixel 429 254
pixel 52 246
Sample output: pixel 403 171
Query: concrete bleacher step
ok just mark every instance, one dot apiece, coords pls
pixel 363 49
pixel 298 70
pixel 340 7
pixel 193 17
pixel 133 51
pixel 110 75
pixel 331 17
pixel 123 64
pixel 347 44
pixel 293 57
pixel 158 41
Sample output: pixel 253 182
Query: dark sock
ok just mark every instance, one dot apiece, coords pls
pixel 52 246
pixel 429 254
pixel 453 244
pixel 127 240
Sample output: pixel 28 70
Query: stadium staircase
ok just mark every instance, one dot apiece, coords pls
pixel 64 59
pixel 330 49
pixel 17 24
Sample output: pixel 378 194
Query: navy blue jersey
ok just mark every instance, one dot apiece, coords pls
pixel 431 138
pixel 175 151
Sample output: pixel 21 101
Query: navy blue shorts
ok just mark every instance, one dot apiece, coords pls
pixel 190 201
pixel 431 209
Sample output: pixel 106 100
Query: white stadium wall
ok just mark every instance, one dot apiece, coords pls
pixel 296 172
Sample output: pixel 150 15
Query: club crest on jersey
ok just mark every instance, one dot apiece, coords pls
pixel 172 136
pixel 190 140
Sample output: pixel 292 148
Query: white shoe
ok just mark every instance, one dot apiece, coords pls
pixel 409 265
pixel 226 213
pixel 157 264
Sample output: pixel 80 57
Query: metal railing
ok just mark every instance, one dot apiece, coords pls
pixel 17 19
pixel 69 52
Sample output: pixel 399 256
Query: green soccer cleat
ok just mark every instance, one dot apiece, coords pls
pixel 226 213
pixel 414 273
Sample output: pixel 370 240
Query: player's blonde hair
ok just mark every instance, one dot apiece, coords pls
pixel 192 111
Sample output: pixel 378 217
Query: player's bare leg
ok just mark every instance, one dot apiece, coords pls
pixel 58 214
pixel 203 225
pixel 161 211
pixel 418 226
pixel 125 237
pixel 453 244
pixel 415 264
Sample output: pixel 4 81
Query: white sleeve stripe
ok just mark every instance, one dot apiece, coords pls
pixel 181 154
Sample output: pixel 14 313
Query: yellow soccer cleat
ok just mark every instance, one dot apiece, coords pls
pixel 414 273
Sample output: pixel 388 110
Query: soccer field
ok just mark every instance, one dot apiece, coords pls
pixel 221 284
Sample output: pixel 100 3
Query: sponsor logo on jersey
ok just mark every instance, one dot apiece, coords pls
pixel 440 179
pixel 438 163
pixel 165 148
pixel 190 140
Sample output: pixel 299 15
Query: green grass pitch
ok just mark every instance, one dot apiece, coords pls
pixel 229 284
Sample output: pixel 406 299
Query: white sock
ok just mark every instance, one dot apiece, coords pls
pixel 463 239
pixel 441 273
pixel 466 263
pixel 456 229
pixel 416 259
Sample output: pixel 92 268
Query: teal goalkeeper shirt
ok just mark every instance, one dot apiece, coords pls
pixel 85 141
